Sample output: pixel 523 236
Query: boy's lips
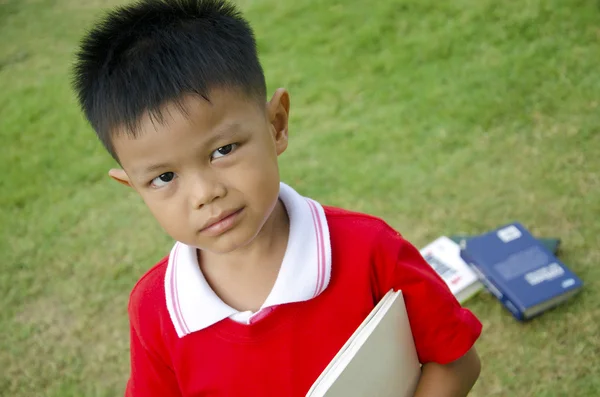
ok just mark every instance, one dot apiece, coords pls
pixel 221 222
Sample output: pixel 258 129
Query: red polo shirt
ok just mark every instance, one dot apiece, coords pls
pixel 283 352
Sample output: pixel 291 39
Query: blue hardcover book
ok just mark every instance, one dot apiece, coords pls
pixel 523 274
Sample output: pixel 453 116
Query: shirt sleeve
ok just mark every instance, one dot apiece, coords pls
pixel 442 329
pixel 150 376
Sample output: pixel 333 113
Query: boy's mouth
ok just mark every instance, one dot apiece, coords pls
pixel 222 222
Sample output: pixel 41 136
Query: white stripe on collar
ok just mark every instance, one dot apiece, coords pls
pixel 304 273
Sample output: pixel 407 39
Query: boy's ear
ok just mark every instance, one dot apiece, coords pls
pixel 278 109
pixel 120 176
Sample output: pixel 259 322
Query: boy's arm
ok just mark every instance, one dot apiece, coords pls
pixel 443 331
pixel 150 376
pixel 451 380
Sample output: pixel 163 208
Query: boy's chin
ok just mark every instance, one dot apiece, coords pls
pixel 223 245
pixel 221 249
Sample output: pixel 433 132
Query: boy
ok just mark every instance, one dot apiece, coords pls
pixel 263 286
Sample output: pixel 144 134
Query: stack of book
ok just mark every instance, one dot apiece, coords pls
pixel 443 255
pixel 523 272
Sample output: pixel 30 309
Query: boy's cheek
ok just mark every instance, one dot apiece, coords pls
pixel 164 214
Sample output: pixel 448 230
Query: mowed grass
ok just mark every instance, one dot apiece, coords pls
pixel 441 117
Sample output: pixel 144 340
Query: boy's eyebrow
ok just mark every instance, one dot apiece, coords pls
pixel 224 133
pixel 152 168
pixel 227 132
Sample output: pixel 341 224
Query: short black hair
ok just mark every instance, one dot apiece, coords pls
pixel 142 56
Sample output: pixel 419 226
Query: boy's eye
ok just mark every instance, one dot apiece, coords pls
pixel 223 151
pixel 162 179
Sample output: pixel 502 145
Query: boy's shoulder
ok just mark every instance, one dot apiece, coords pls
pixel 148 293
pixel 366 241
pixel 355 226
pixel 343 217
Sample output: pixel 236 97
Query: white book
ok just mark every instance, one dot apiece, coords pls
pixel 379 359
pixel 443 255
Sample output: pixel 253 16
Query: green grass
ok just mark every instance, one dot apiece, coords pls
pixel 441 117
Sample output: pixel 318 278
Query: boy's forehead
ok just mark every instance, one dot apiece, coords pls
pixel 192 110
pixel 221 106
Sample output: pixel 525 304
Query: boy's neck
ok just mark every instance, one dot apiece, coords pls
pixel 244 278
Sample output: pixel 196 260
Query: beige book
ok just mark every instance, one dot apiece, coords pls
pixel 379 359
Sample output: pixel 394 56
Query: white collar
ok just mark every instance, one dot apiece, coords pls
pixel 304 273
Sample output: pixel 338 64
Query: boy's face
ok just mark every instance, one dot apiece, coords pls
pixel 209 176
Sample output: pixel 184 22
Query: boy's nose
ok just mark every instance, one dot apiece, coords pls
pixel 206 190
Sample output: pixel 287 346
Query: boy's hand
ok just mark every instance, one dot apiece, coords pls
pixel 451 380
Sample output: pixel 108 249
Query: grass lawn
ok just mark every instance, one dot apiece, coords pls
pixel 441 117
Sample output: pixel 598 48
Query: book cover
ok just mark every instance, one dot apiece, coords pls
pixel 443 255
pixel 521 272
pixel 552 244
pixel 379 359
